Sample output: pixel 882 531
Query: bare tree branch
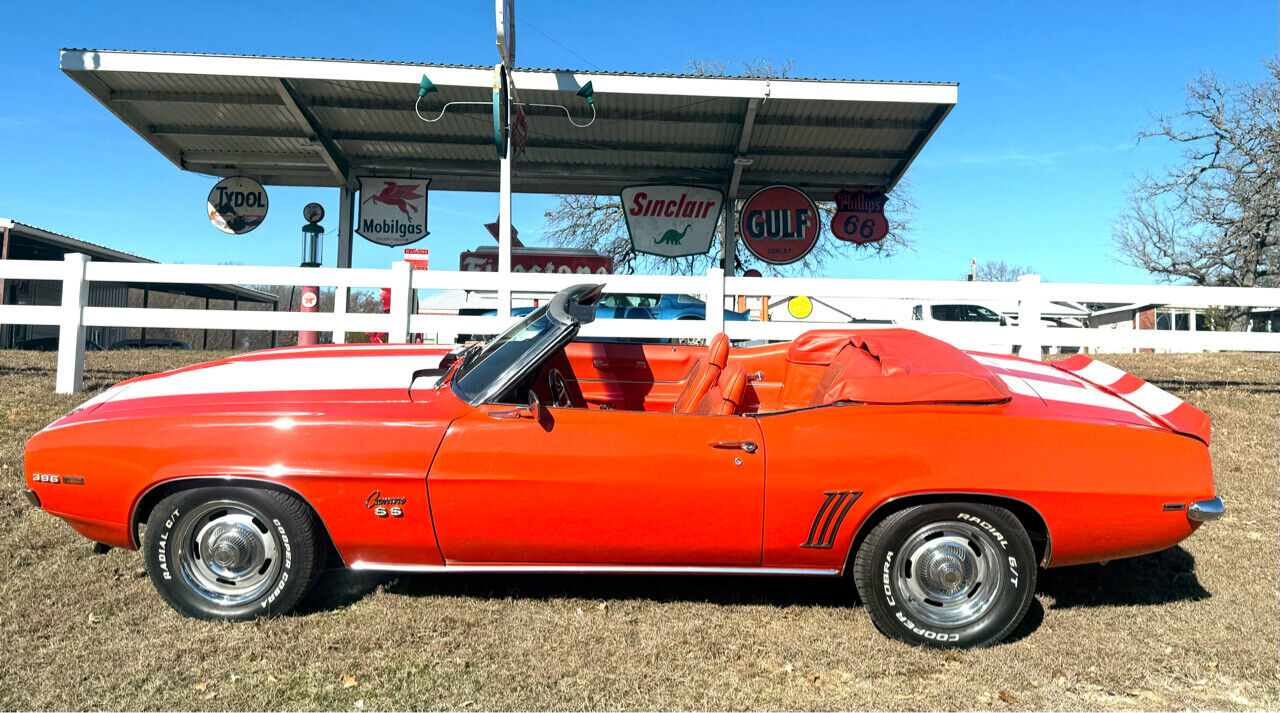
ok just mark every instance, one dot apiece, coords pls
pixel 596 222
pixel 1212 218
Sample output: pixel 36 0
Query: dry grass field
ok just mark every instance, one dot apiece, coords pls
pixel 1195 627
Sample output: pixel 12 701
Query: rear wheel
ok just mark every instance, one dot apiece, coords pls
pixel 947 574
pixel 231 553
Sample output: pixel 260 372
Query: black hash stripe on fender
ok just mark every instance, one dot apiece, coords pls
pixel 830 515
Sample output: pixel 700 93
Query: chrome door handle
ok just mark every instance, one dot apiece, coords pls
pixel 744 446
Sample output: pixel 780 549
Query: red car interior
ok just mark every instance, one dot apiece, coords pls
pixel 886 366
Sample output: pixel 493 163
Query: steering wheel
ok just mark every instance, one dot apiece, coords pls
pixel 559 392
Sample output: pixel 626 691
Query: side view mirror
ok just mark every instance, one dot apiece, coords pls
pixel 532 411
pixel 1004 322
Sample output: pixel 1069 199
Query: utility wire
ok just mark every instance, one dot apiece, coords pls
pixel 561 46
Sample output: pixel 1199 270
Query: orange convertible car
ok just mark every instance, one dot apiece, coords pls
pixel 939 479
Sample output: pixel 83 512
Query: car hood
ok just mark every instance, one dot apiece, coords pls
pixel 343 373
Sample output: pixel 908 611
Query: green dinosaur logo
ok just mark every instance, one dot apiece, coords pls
pixel 672 236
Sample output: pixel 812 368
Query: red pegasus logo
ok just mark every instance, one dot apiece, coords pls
pixel 398 195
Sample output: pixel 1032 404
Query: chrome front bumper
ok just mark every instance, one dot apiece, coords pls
pixel 1205 510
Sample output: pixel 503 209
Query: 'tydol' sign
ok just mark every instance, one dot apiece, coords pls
pixel 671 221
pixel 393 211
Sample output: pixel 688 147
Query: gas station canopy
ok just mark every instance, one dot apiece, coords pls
pixel 322 122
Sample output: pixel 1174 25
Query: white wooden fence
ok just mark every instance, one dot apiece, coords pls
pixel 76 271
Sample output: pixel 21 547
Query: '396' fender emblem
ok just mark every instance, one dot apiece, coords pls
pixel 385 507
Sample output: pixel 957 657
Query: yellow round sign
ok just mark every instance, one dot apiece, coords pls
pixel 800 307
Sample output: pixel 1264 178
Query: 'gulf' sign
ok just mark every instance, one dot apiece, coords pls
pixel 779 224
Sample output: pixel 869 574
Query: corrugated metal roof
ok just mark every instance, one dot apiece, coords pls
pixel 226 115
pixel 57 241
pixel 477 66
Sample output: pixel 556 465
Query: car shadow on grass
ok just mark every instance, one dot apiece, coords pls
pixel 1158 578
pixel 338 588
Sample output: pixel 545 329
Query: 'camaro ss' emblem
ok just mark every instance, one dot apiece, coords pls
pixel 383 507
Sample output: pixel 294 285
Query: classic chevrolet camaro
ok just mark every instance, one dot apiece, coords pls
pixel 939 479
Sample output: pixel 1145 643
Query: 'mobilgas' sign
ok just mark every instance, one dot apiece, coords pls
pixel 237 205
pixel 671 221
pixel 779 224
pixel 393 211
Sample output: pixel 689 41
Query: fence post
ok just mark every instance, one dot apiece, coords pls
pixel 75 295
pixel 715 302
pixel 1029 316
pixel 340 307
pixel 401 277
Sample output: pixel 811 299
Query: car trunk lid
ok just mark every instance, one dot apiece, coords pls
pixel 1173 412
pixel 1072 388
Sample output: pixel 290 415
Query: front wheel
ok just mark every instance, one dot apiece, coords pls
pixel 231 553
pixel 947 574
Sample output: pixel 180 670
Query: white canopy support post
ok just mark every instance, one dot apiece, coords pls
pixel 75 295
pixel 504 233
pixel 346 221
pixel 715 302
pixel 740 161
pixel 401 279
pixel 1029 316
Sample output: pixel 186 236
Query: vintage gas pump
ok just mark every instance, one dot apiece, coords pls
pixel 312 252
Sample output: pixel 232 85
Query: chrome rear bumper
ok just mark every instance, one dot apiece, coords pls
pixel 1205 510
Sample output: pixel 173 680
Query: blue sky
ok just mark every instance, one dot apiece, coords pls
pixel 1031 167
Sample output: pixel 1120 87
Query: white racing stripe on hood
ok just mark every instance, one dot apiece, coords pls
pixel 305 374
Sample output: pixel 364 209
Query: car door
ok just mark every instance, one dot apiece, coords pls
pixel 581 486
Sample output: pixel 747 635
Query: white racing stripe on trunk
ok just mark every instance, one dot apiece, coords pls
pixel 306 374
pixel 1103 374
pixel 1154 399
pixel 1018 386
pixel 1059 386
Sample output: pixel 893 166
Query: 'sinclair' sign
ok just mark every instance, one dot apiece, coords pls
pixel 779 224
pixel 393 211
pixel 671 221
pixel 237 205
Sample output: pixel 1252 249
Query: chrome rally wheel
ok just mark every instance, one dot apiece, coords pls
pixel 231 553
pixel 947 574
pixel 226 552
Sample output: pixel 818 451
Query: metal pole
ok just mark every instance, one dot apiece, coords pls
pixel 730 261
pixel 204 338
pixel 235 305
pixel 504 229
pixel 275 307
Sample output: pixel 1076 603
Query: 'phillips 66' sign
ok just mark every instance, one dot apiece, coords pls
pixel 859 217
pixel 779 224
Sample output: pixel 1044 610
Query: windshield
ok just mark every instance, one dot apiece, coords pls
pixel 483 369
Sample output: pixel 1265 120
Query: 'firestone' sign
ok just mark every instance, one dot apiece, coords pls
pixel 393 211
pixel 671 221
pixel 779 224
pixel 544 260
